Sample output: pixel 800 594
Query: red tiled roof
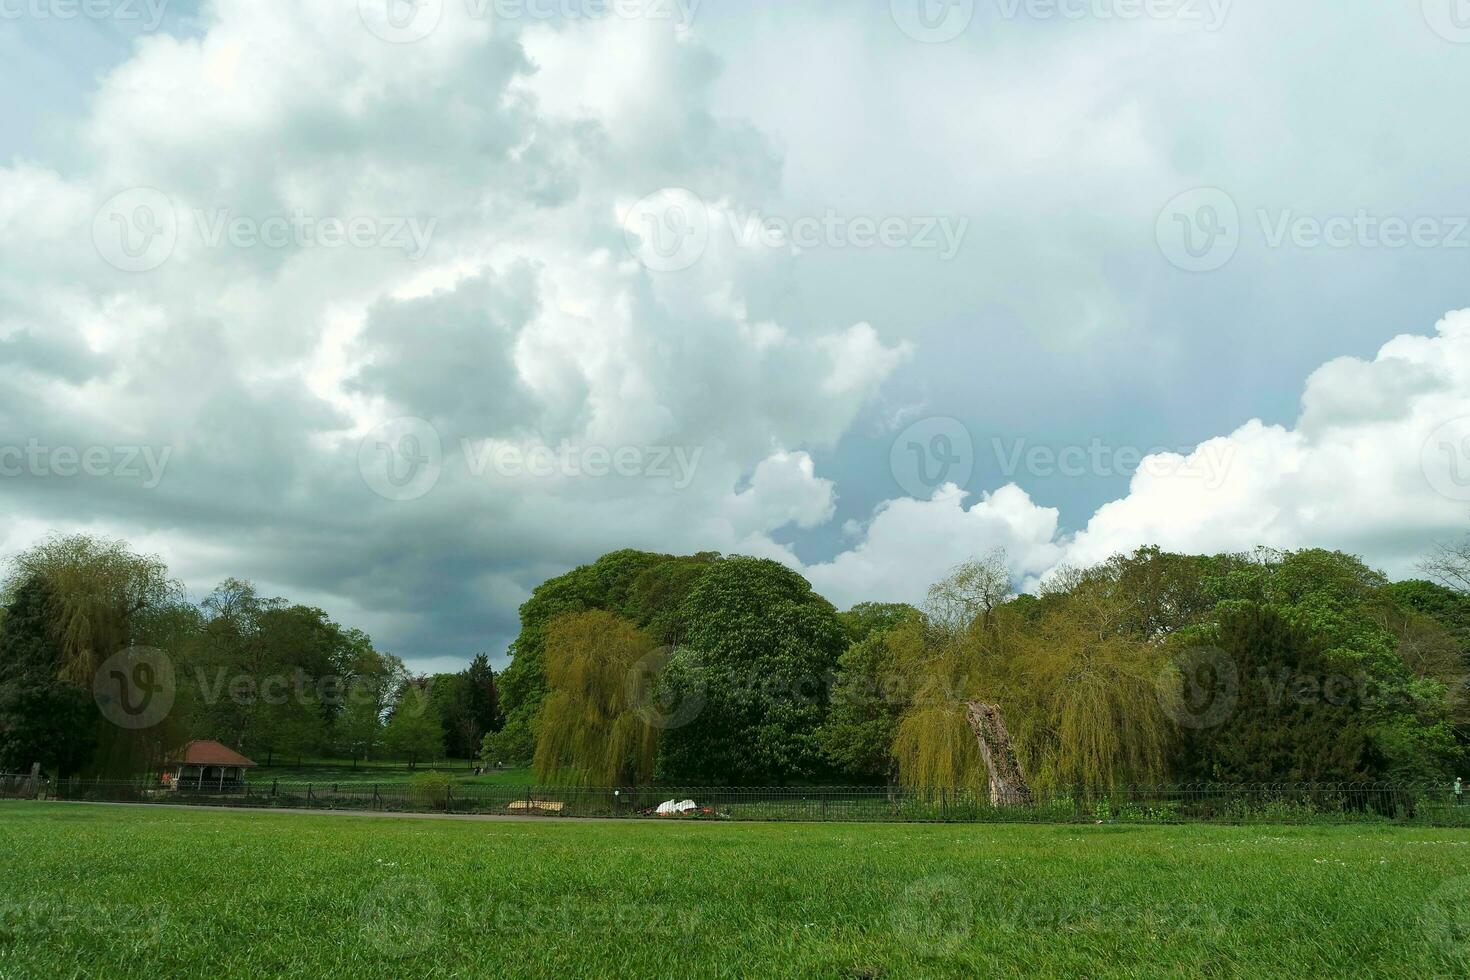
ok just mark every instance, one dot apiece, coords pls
pixel 204 752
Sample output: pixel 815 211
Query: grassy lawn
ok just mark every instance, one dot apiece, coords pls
pixel 142 892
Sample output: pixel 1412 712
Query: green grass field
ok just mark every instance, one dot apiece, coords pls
pixel 144 892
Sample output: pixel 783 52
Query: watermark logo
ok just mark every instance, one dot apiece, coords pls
pixel 1450 19
pixel 135 688
pixel 1200 689
pixel 934 916
pixel 1445 459
pixel 401 917
pixel 401 459
pixel 651 701
pixel 136 230
pixel 930 453
pixel 933 21
pixel 1199 230
pixel 401 21
pixel 668 231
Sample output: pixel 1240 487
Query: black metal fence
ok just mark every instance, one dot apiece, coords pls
pixel 1198 803
pixel 17 786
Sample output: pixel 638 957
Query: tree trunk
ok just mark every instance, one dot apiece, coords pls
pixel 1007 783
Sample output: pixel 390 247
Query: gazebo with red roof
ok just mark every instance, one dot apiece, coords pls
pixel 206 764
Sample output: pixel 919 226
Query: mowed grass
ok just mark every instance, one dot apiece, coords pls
pixel 123 891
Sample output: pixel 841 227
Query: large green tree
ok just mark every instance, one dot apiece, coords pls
pixel 758 653
pixel 642 587
pixel 414 732
pixel 42 717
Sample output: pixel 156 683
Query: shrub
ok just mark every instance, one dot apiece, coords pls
pixel 431 790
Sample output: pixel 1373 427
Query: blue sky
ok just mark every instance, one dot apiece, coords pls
pixel 509 176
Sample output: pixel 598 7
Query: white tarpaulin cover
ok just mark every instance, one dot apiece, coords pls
pixel 669 806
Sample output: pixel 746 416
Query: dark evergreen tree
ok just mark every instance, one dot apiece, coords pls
pixel 42 718
pixel 1294 717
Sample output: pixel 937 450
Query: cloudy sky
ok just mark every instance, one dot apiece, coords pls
pixel 400 310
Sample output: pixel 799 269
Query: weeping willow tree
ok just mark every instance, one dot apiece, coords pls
pixel 1078 689
pixel 103 600
pixel 933 743
pixel 1081 695
pixel 104 597
pixel 591 729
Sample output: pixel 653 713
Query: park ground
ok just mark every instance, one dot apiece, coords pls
pixel 123 891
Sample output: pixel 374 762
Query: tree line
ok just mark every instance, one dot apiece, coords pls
pixel 273 679
pixel 1268 666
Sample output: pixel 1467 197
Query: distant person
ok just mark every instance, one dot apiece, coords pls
pixel 1459 791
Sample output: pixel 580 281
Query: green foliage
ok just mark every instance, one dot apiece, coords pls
pixel 1284 725
pixel 868 618
pixel 516 740
pixel 1427 653
pixel 430 790
pixel 42 717
pixel 869 698
pixel 1079 689
pixel 414 730
pixel 102 597
pixel 592 728
pixel 759 650
pixel 270 677
pixel 644 588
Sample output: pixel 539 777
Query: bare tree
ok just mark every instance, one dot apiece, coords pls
pixel 1450 565
pixel 970 593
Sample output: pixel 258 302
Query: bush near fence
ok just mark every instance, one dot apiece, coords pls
pixel 1202 803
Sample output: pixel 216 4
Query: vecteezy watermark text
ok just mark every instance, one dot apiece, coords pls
pixel 670 230
pixel 1201 230
pixel 938 21
pixel 138 229
pixel 1209 462
pixel 148 14
pixel 403 458
pixel 676 463
pixel 37 459
pixel 407 21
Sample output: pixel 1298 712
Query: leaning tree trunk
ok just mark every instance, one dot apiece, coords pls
pixel 1007 782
